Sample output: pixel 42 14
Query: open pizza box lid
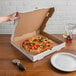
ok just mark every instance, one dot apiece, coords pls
pixel 31 24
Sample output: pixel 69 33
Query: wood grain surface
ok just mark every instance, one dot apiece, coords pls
pixel 39 68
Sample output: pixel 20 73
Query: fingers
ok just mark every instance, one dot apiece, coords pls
pixel 17 14
pixel 14 16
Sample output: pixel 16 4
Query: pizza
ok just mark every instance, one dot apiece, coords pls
pixel 37 44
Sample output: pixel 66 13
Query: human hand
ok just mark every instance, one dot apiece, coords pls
pixel 14 16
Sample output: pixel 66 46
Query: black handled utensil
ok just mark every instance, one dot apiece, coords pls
pixel 17 62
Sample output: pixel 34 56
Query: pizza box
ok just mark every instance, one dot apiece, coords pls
pixel 32 24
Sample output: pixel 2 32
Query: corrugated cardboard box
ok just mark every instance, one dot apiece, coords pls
pixel 31 24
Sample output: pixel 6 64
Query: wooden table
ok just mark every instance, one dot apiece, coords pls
pixel 39 68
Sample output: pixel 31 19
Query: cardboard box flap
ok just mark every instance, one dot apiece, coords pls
pixel 30 21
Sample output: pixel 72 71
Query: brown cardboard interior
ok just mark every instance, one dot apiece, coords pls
pixel 31 24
